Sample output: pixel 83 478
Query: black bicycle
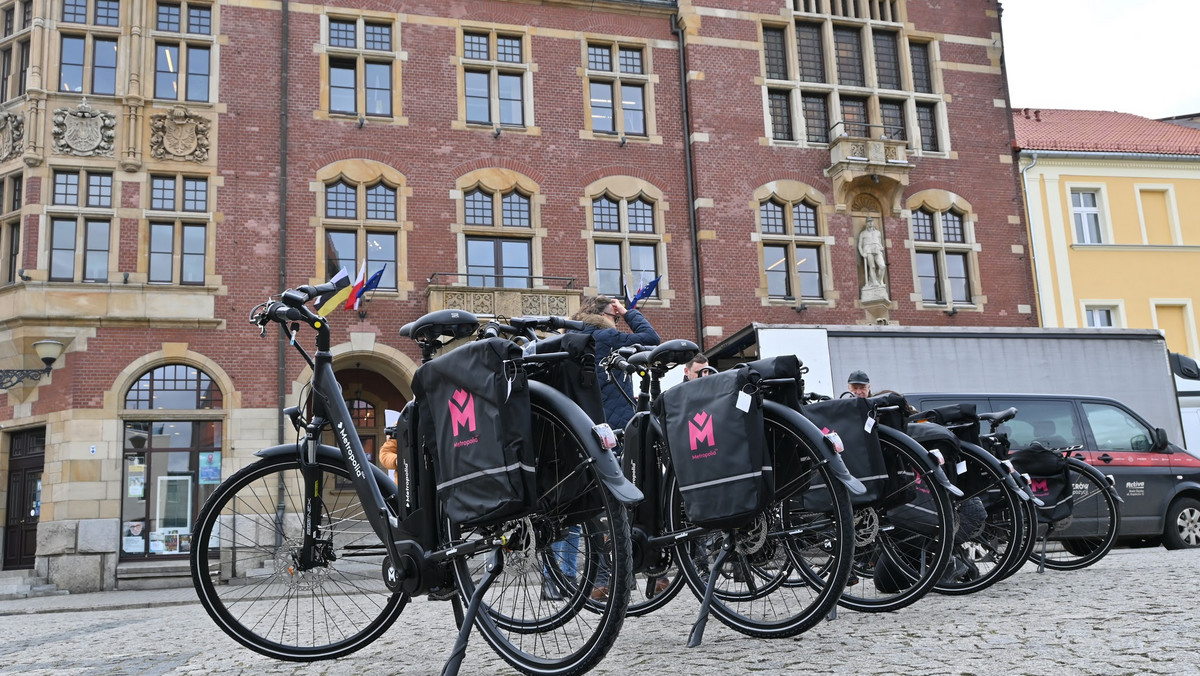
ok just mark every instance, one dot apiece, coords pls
pixel 311 552
pixel 775 577
pixel 996 513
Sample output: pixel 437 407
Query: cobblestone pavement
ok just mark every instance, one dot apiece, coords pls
pixel 1135 612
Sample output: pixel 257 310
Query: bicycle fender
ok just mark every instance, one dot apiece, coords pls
pixel 898 437
pixel 605 462
pixel 386 485
pixel 809 431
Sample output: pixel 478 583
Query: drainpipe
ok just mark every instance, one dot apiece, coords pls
pixel 281 350
pixel 698 298
pixel 1037 296
pixel 281 354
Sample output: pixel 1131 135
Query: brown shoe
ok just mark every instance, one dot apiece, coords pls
pixel 600 593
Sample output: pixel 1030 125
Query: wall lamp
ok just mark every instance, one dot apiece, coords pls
pixel 951 312
pixel 47 350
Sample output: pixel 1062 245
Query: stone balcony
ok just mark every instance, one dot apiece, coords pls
pixel 543 298
pixel 854 158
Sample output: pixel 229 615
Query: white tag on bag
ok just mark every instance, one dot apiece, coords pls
pixel 743 402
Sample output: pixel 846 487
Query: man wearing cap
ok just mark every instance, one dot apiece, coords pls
pixel 860 384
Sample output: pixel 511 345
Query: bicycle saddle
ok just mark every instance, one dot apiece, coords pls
pixel 672 353
pixel 1000 416
pixel 453 324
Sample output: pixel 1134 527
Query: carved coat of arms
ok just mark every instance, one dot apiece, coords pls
pixel 12 132
pixel 84 131
pixel 179 135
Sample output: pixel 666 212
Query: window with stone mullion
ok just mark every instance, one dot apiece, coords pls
pixel 779 101
pixel 811 52
pixel 775 53
pixel 848 48
pixel 887 60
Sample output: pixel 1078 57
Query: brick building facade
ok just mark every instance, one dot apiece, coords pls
pixel 169 164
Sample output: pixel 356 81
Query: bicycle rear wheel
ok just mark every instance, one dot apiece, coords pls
pixel 983 551
pixel 791 563
pixel 1089 533
pixel 903 541
pixel 244 551
pixel 532 630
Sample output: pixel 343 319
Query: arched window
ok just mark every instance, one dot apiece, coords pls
pixel 501 230
pixel 794 242
pixel 361 203
pixel 945 253
pixel 626 227
pixel 174 432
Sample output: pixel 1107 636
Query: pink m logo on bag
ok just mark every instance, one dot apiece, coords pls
pixel 1039 486
pixel 700 430
pixel 462 411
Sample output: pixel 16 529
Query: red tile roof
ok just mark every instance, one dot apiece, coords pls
pixel 1101 131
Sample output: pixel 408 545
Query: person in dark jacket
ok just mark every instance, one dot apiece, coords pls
pixel 600 315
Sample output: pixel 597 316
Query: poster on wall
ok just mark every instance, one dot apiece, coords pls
pixel 137 481
pixel 133 537
pixel 210 467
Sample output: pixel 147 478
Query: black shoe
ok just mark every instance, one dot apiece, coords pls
pixel 442 593
pixel 550 590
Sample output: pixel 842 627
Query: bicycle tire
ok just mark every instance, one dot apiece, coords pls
pixel 1091 531
pixel 241 563
pixel 887 536
pixel 790 564
pixel 572 634
pixel 985 555
pixel 1028 539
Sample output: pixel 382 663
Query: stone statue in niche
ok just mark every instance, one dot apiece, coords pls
pixel 871 247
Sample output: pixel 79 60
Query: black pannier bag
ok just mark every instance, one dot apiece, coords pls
pixel 1049 481
pixel 475 407
pixel 714 431
pixel 937 438
pixel 562 481
pixel 791 469
pixel 862 454
pixel 960 419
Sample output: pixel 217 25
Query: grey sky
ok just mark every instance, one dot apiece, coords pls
pixel 1138 57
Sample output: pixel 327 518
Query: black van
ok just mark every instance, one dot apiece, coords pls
pixel 1159 481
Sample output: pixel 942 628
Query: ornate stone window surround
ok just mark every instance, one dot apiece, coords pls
pixel 494 67
pixel 939 202
pixel 795 85
pixel 360 55
pixel 362 174
pixel 624 190
pixel 179 217
pixel 646 79
pixel 499 182
pixel 184 39
pixel 789 193
pixel 82 215
pixel 89 33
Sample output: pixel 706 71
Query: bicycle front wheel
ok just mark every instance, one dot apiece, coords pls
pixel 790 564
pixel 1089 533
pixel 245 549
pixel 560 601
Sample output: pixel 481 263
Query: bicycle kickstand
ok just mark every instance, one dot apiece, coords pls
pixel 697 634
pixel 492 571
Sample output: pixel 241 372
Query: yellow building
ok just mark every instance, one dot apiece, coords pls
pixel 1113 202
